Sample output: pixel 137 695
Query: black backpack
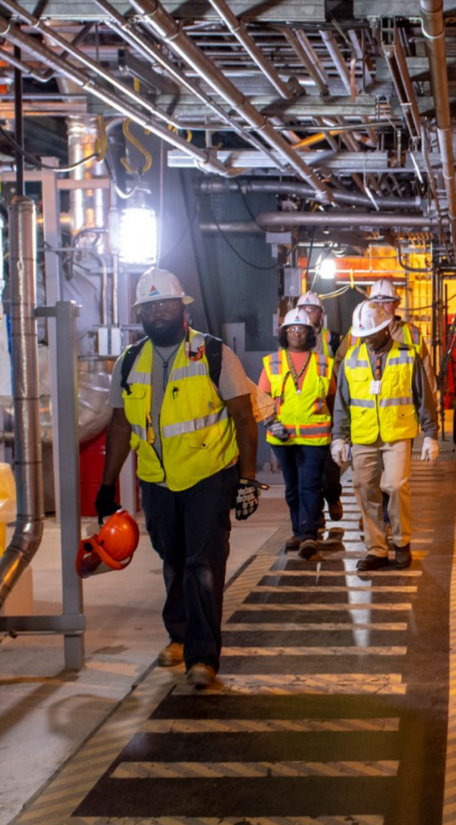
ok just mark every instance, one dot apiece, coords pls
pixel 213 354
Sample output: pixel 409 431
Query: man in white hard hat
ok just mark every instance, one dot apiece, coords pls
pixel 181 401
pixel 382 396
pixel 385 293
pixel 327 343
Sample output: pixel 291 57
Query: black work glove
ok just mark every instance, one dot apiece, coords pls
pixel 278 430
pixel 247 494
pixel 105 503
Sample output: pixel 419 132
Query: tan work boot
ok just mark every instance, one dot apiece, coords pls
pixel 172 654
pixel 201 675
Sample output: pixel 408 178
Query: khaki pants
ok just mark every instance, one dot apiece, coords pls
pixel 383 467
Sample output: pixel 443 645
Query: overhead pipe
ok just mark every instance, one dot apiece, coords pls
pixel 202 158
pixel 299 42
pixel 271 220
pixel 303 191
pixel 407 82
pixel 164 25
pixel 241 34
pixel 108 76
pixel 389 54
pixel 127 30
pixel 27 438
pixel 433 27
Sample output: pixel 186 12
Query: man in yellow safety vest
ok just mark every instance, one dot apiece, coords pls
pixel 382 396
pixel 195 438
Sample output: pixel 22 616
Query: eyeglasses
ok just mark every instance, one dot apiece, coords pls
pixel 153 307
pixel 309 308
pixel 301 329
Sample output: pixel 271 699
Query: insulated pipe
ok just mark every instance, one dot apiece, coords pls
pixel 337 58
pixel 434 31
pixel 392 63
pixel 237 28
pixel 202 158
pixel 270 220
pixel 298 40
pixel 300 189
pixel 407 83
pixel 127 31
pixel 164 25
pixel 27 437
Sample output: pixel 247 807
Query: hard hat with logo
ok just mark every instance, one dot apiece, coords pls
pixel 295 317
pixel 159 285
pixel 310 299
pixel 368 318
pixel 112 546
pixel 384 290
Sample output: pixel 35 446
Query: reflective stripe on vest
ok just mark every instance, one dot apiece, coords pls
pixel 391 414
pixel 304 414
pixel 195 443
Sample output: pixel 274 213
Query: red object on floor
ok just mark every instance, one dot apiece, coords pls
pixel 91 464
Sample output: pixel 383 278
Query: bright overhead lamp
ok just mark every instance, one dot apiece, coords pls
pixel 325 265
pixel 138 235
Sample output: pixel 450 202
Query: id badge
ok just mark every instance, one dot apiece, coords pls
pixel 375 387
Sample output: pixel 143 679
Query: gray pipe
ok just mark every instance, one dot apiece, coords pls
pixel 296 188
pixel 270 220
pixel 30 517
pixel 164 25
pixel 433 26
pixel 237 28
pixel 202 158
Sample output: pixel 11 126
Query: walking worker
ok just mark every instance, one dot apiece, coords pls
pixel 301 384
pixel 181 401
pixel 327 342
pixel 382 395
pixel 384 292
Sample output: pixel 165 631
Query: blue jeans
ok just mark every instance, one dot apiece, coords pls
pixel 302 467
pixel 190 531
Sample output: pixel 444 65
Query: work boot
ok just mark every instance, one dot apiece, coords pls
pixel 308 548
pixel 201 675
pixel 403 556
pixel 336 510
pixel 172 654
pixel 292 543
pixel 371 562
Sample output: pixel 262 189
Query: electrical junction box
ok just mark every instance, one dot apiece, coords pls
pixel 292 281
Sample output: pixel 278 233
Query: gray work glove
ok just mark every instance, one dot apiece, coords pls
pixel 278 430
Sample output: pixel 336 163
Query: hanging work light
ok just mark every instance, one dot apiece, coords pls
pixel 325 265
pixel 138 235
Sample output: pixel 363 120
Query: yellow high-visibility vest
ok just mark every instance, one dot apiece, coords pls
pixel 391 414
pixel 305 414
pixel 197 434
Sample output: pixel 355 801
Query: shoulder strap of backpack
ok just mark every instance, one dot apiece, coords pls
pixel 214 357
pixel 127 363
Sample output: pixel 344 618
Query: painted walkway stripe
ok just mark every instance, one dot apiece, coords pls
pixel 252 770
pixel 362 588
pixel 376 574
pixel 277 684
pixel 258 606
pixel 359 819
pixel 398 627
pixel 189 726
pixel 315 651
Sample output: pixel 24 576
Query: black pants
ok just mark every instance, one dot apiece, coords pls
pixel 190 532
pixel 332 488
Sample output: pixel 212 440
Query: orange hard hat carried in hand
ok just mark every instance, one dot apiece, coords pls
pixel 112 546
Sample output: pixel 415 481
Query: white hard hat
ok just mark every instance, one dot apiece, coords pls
pixel 159 285
pixel 296 317
pixel 368 318
pixel 384 290
pixel 310 299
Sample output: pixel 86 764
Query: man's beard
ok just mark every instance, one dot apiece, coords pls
pixel 165 336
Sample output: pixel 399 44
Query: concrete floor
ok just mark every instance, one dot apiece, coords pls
pixel 47 714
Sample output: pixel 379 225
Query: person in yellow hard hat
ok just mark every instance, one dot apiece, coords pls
pixel 382 396
pixel 181 401
pixel 300 381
